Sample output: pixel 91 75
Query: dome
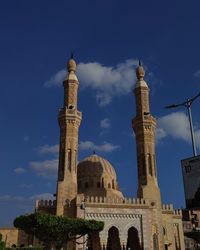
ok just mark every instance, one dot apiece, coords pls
pixel 97 177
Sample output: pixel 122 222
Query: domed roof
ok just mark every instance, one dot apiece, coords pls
pixel 97 177
pixel 95 165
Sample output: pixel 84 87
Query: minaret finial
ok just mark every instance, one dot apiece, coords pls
pixel 72 54
pixel 71 65
pixel 94 153
pixel 140 71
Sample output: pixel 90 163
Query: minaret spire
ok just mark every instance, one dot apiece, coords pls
pixel 144 125
pixel 69 121
pixel 140 73
pixel 72 55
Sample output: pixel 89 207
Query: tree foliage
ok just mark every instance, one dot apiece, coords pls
pixel 195 235
pixel 56 230
pixel 2 244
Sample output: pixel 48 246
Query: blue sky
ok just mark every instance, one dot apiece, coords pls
pixel 108 38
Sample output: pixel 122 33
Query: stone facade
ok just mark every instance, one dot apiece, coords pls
pixel 69 120
pixel 141 223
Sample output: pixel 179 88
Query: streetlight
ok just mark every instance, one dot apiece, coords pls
pixel 188 104
pixel 83 207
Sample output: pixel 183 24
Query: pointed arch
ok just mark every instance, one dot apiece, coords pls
pixel 133 241
pixel 155 242
pixel 93 242
pixel 113 241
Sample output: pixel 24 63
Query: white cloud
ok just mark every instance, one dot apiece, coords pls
pixel 176 125
pixel 47 149
pixel 197 73
pixel 26 138
pixel 105 123
pixel 103 98
pixel 105 147
pixel 47 168
pixel 160 134
pixel 56 79
pixel 108 82
pixel 19 170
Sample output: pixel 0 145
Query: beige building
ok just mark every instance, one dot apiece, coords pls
pixel 90 190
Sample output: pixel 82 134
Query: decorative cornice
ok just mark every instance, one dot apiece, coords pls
pixel 113 215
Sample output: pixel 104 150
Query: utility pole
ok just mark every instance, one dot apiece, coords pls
pixel 188 104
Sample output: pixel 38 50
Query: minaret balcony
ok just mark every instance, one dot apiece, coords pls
pixel 70 113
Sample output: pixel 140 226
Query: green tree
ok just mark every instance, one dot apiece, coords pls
pixel 2 244
pixel 195 235
pixel 56 231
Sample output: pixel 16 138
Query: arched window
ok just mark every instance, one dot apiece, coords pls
pixel 69 159
pixel 75 161
pixel 109 186
pixel 150 164
pixel 98 184
pixel 61 164
pixel 93 241
pixel 113 242
pixel 133 241
pixel 113 184
pixel 86 185
pixel 154 160
pixel 155 242
pixel 102 182
pixel 143 165
pixel 177 237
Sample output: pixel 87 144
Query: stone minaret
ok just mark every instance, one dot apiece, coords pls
pixel 69 121
pixel 144 125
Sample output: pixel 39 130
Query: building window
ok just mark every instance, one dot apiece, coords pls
pixel 113 184
pixel 155 242
pixel 75 161
pixel 109 186
pixel 69 159
pixel 150 164
pixel 86 185
pixel 154 159
pixel 98 184
pixel 102 182
pixel 164 231
pixel 143 165
pixel 62 165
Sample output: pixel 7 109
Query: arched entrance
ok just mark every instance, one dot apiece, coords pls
pixel 155 242
pixel 93 242
pixel 113 242
pixel 133 242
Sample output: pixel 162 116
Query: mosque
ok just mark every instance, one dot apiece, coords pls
pixel 90 190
